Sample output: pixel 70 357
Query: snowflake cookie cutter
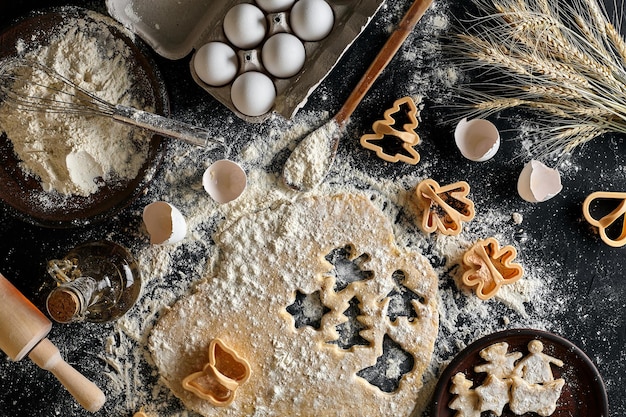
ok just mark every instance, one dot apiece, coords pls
pixel 607 221
pixel 220 377
pixel 443 208
pixel 384 128
pixel 488 267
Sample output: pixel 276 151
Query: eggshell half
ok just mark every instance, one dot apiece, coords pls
pixel 477 139
pixel 538 183
pixel 224 180
pixel 164 222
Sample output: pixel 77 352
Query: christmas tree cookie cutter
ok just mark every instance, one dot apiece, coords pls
pixel 406 135
pixel 488 267
pixel 607 221
pixel 221 376
pixel 443 208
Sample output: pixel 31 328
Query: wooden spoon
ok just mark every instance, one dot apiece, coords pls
pixel 310 161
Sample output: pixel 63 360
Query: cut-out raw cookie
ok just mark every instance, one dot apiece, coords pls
pixel 265 260
pixel 221 376
pixel 534 389
pixel 443 209
pixel 395 143
pixel 525 383
pixel 610 219
pixel 488 267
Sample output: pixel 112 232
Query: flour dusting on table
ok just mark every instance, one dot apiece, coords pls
pixel 131 376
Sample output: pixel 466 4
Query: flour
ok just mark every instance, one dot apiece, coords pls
pixel 308 164
pixel 76 154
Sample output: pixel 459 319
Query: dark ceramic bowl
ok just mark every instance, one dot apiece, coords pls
pixel 22 194
pixel 583 394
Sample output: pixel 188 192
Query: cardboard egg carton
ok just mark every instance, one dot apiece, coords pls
pixel 176 28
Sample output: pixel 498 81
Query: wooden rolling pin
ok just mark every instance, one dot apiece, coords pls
pixel 23 331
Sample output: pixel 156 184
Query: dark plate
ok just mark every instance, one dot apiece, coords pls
pixel 22 194
pixel 583 395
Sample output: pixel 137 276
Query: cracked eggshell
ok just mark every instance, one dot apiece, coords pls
pixel 538 183
pixel 477 139
pixel 164 222
pixel 224 180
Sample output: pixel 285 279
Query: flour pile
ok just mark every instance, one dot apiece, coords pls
pixel 76 154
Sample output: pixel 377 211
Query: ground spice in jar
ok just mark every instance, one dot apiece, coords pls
pixel 63 305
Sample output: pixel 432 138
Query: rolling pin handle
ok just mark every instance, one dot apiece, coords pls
pixel 48 357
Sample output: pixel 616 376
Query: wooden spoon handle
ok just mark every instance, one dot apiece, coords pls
pixel 47 357
pixel 388 51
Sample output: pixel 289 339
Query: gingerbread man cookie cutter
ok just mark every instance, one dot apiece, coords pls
pixel 605 222
pixel 444 208
pixel 489 267
pixel 220 377
pixel 385 128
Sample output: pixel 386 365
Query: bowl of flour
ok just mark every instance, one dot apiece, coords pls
pixel 62 169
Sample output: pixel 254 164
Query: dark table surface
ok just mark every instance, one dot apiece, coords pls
pixel 590 288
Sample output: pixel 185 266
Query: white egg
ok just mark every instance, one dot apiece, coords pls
pixel 538 183
pixel 283 55
pixel 216 63
pixel 272 6
pixel 224 180
pixel 245 26
pixel 311 20
pixel 253 93
pixel 478 140
pixel 164 222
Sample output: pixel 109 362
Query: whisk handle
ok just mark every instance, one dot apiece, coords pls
pixel 165 126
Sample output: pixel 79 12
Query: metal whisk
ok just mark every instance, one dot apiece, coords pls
pixel 60 95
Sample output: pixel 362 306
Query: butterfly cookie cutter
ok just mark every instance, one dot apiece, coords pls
pixel 605 222
pixel 221 376
pixel 488 267
pixel 443 208
pixel 384 129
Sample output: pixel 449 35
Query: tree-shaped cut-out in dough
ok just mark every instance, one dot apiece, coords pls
pixel 308 310
pixel 349 331
pixel 401 299
pixel 347 267
pixel 392 140
pixel 390 367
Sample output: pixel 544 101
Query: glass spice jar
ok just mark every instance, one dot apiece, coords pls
pixel 97 282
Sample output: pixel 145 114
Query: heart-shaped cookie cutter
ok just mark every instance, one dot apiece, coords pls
pixel 609 219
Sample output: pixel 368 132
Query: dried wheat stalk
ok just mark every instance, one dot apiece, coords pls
pixel 563 58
